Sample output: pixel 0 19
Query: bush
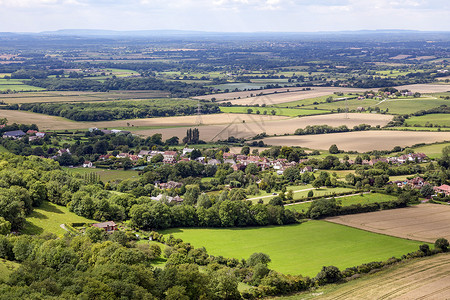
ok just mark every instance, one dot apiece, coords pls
pixel 441 244
pixel 328 274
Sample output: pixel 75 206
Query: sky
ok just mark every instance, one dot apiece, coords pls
pixel 224 15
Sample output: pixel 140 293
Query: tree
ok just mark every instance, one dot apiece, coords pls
pixel 258 258
pixel 442 244
pixel 328 274
pixel 427 190
pixel 245 150
pixel 310 193
pixel 333 149
pixel 5 226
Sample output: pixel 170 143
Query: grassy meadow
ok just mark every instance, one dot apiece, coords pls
pixel 6 268
pixel 301 248
pixel 435 119
pixel 105 174
pixel 48 217
pixel 347 201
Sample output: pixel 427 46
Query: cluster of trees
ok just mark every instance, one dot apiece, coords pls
pixel 118 110
pixel 320 129
pixel 323 208
pixel 176 88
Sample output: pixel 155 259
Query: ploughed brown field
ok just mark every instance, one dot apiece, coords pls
pixel 427 278
pixel 281 96
pixel 423 222
pixel 361 141
pixel 256 124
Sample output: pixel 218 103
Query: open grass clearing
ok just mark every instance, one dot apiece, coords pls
pixel 6 268
pixel 424 278
pixel 347 201
pixel 361 141
pixel 437 119
pixel 105 175
pixel 403 128
pixel 314 101
pixel 301 248
pixel 48 217
pixel 301 192
pixel 423 222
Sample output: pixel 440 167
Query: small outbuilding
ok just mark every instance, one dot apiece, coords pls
pixel 109 226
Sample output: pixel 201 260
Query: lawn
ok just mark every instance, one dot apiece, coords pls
pixel 290 112
pixel 317 100
pixel 347 201
pixel 435 119
pixel 105 175
pixel 48 217
pixel 301 248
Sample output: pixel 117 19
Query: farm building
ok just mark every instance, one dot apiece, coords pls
pixel 109 226
pixel 16 134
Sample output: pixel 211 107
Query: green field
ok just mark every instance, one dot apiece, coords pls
pixel 301 248
pixel 105 175
pixel 6 268
pixel 395 106
pixel 290 112
pixel 301 192
pixel 435 119
pixel 48 217
pixel 347 201
pixel 432 151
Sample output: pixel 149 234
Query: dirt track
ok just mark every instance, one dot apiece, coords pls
pixel 423 222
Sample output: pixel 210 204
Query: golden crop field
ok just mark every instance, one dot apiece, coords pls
pixel 361 141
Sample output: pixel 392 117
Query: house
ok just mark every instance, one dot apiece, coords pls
pixel 417 182
pixel 229 161
pixel 31 132
pixel 16 134
pixel 444 189
pixel 170 185
pixel 307 169
pixel 109 226
pixel 237 167
pixel 143 153
pixel 63 151
pixel 187 150
pixel 40 134
pixel 87 164
pixel 213 162
pixel 228 155
pixel 169 157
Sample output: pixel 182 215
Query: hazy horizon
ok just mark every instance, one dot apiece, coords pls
pixel 224 15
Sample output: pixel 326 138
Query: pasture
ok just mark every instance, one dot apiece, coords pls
pixel 301 192
pixel 435 119
pixel 423 222
pixel 360 141
pixel 347 201
pixel 301 248
pixel 432 151
pixel 48 217
pixel 105 175
pixel 424 278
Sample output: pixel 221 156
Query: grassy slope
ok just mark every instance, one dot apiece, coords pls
pixel 6 268
pixel 105 175
pixel 302 248
pixel 439 119
pixel 48 217
pixel 350 200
